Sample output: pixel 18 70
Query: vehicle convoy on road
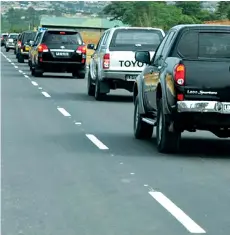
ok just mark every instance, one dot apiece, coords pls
pixel 185 87
pixel 58 50
pixel 11 41
pixel 113 64
pixel 23 45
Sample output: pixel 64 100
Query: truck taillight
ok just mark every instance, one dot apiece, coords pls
pixel 43 48
pixel 179 74
pixel 19 44
pixel 106 61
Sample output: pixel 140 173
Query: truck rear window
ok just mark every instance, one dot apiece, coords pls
pixel 57 37
pixel 14 36
pixel 136 39
pixel 195 44
pixel 29 36
pixel 214 45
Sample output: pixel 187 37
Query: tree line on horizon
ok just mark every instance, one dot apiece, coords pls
pixel 142 13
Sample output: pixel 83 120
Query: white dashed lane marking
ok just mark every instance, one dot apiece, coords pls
pixel 63 112
pixel 26 76
pixel 96 141
pixel 34 83
pixel 16 67
pixel 20 71
pixel 46 94
pixel 184 219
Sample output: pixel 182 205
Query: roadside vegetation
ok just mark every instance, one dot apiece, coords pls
pixel 161 14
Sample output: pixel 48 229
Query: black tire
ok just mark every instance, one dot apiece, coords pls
pixel 167 142
pixel 29 64
pixel 20 59
pixel 36 73
pixel 97 94
pixel 15 52
pixel 90 86
pixel 7 49
pixel 78 75
pixel 141 129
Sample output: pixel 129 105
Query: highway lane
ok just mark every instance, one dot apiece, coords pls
pixel 196 180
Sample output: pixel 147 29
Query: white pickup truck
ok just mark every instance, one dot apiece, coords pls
pixel 113 64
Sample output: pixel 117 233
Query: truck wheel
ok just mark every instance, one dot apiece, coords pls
pixel 97 94
pixel 167 142
pixel 141 129
pixel 20 59
pixel 90 86
pixel 7 49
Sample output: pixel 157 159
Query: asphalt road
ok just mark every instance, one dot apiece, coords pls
pixel 70 165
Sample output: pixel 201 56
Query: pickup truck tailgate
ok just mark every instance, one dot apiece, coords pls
pixel 125 61
pixel 207 80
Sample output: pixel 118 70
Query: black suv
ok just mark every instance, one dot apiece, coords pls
pixel 59 50
pixel 24 45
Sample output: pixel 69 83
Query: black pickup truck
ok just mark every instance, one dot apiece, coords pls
pixel 185 86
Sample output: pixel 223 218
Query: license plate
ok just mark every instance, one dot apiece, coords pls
pixel 226 108
pixel 130 77
pixel 27 48
pixel 64 54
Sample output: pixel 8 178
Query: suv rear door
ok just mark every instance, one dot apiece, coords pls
pixel 126 41
pixel 62 45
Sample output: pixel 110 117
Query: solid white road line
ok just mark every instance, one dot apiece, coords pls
pixel 34 83
pixel 184 219
pixel 96 141
pixel 20 71
pixel 46 94
pixel 64 112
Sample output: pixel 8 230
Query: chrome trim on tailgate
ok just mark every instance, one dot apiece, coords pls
pixel 203 106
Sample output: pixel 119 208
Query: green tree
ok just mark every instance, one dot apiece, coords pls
pixel 189 8
pixel 223 9
pixel 144 13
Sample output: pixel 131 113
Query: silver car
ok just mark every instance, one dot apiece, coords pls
pixel 11 41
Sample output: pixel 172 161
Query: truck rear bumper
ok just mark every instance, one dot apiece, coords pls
pixel 120 75
pixel 203 107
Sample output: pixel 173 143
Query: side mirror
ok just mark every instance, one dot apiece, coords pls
pixel 31 43
pixel 91 46
pixel 143 57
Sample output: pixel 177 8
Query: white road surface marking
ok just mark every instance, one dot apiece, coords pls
pixel 77 123
pixel 9 60
pixel 34 83
pixel 46 94
pixel 184 219
pixel 26 76
pixel 16 67
pixel 96 141
pixel 13 63
pixel 64 112
pixel 20 71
